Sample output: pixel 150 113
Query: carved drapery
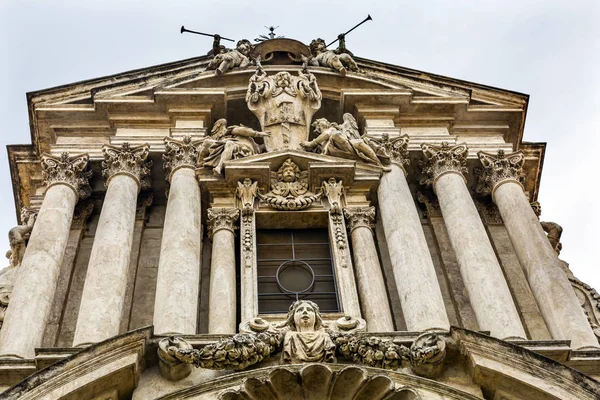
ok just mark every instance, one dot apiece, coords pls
pixel 359 217
pixel 127 160
pixel 71 171
pixel 178 154
pixel 498 169
pixel 222 218
pixel 443 159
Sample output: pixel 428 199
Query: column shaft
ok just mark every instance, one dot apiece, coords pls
pixel 550 286
pixel 369 277
pixel 178 280
pixel 222 297
pixel 414 272
pixel 479 267
pixel 106 279
pixel 35 285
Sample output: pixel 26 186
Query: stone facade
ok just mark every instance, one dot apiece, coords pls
pixel 284 221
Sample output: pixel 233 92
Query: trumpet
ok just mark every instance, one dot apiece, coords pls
pixel 353 28
pixel 203 34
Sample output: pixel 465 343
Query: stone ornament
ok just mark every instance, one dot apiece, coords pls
pixel 318 381
pixel 333 191
pixel 238 57
pixel 328 58
pixel 289 189
pixel 72 171
pixel 247 192
pixel 179 153
pixel 228 143
pixel 303 337
pixel 129 161
pixel 393 150
pixel 552 229
pixel 222 218
pixel 141 210
pixel 284 104
pixel 498 169
pixel 18 236
pixel 431 205
pixel 443 159
pixel 359 217
pixel 489 212
pixel 343 141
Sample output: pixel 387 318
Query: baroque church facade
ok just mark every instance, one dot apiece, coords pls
pixel 282 221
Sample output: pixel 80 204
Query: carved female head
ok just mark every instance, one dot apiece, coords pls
pixel 304 313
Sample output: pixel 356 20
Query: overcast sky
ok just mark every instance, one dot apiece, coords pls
pixel 547 49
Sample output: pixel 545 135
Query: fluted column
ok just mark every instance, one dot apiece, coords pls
pixel 126 172
pixel 31 300
pixel 414 273
pixel 488 291
pixel 501 177
pixel 178 280
pixel 222 295
pixel 369 277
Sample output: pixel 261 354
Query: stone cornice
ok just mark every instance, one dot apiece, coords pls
pixel 498 169
pixel 359 217
pixel 440 160
pixel 222 218
pixel 66 170
pixel 129 161
pixel 179 154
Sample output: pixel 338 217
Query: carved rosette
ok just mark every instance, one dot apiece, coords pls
pixel 129 161
pixel 66 170
pixel 498 169
pixel 179 154
pixel 222 218
pixel 443 159
pixel 396 149
pixel 359 217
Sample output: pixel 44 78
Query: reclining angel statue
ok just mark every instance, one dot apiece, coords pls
pixel 328 58
pixel 302 337
pixel 228 143
pixel 238 57
pixel 343 141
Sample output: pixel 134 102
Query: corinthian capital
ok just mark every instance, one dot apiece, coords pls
pixel 71 171
pixel 222 218
pixel 498 169
pixel 396 149
pixel 127 160
pixel 443 159
pixel 179 153
pixel 357 217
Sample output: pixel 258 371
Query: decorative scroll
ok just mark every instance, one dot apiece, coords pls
pixel 289 189
pixel 72 171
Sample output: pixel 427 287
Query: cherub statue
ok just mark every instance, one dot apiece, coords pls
pixel 238 57
pixel 289 189
pixel 328 58
pixel 342 141
pixel 228 143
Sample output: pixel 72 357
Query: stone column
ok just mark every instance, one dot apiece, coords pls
pixel 369 277
pixel 488 291
pixel 31 300
pixel 126 172
pixel 421 298
pixel 501 177
pixel 178 280
pixel 222 288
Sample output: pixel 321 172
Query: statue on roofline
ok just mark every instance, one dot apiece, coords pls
pixel 341 62
pixel 228 143
pixel 223 61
